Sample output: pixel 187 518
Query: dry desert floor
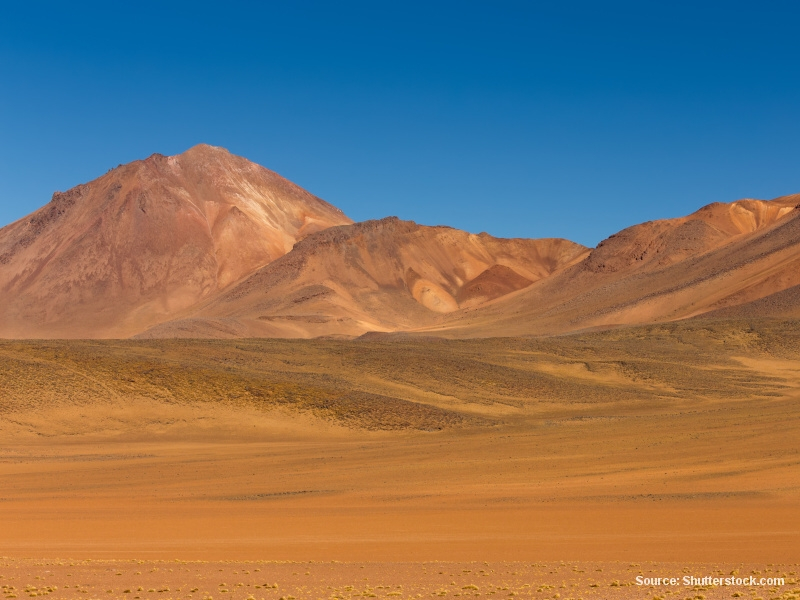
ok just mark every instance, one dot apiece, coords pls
pixel 553 468
pixel 256 580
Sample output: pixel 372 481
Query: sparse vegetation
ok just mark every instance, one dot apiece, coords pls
pixel 406 383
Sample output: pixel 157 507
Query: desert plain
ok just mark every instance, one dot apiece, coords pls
pixel 402 466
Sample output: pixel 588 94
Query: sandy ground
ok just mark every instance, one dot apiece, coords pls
pixel 637 488
pixel 637 471
pixel 260 580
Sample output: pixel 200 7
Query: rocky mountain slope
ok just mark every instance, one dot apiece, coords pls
pixel 130 249
pixel 384 275
pixel 208 244
pixel 721 257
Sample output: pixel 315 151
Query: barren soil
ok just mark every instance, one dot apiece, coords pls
pixel 257 580
pixel 676 443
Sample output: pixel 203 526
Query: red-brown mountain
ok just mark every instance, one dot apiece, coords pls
pixel 385 275
pixel 207 244
pixel 726 260
pixel 115 256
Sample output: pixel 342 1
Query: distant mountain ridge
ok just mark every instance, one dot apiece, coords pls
pixel 208 244
pixel 383 275
pixel 720 257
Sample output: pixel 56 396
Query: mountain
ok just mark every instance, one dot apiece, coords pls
pixel 384 275
pixel 725 260
pixel 148 239
pixel 208 244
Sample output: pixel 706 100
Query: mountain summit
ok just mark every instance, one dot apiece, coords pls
pixel 148 239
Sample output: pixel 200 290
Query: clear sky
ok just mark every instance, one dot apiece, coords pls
pixel 522 119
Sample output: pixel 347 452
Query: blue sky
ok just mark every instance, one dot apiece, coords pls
pixel 522 119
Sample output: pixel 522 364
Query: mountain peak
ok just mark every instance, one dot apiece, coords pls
pixel 146 240
pixel 206 152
